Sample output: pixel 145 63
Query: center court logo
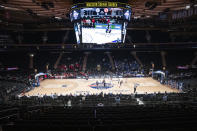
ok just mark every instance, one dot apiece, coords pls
pixel 101 85
pixel 64 86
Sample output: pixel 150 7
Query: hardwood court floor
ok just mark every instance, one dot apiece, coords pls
pixel 82 86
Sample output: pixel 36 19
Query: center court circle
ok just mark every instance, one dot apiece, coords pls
pixel 101 85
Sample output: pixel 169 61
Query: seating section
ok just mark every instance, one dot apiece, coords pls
pixel 98 63
pixel 71 62
pixel 13 83
pixel 137 118
pixel 126 64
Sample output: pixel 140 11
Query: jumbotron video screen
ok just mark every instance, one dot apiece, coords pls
pixel 102 33
pixel 100 25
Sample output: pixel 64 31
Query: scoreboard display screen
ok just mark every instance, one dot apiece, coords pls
pixel 116 13
pixel 102 33
pixel 100 22
pixel 101 12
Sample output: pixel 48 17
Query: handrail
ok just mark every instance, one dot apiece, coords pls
pixel 8 110
pixel 8 116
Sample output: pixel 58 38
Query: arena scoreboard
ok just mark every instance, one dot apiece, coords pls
pixel 100 22
pixel 101 4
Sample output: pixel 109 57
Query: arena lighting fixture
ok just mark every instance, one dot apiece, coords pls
pixel 59 18
pixel 136 17
pixel 2 6
pixel 187 7
pixel 32 55
pixel 9 8
pixel 37 47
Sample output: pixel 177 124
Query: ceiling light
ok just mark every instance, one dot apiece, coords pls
pixel 59 18
pixel 32 55
pixel 136 17
pixel 2 6
pixel 187 7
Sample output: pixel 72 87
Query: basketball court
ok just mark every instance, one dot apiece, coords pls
pixel 83 86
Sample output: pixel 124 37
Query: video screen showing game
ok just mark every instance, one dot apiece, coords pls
pixel 102 34
pixel 77 32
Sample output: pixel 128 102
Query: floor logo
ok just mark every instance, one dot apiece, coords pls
pixel 64 86
pixel 101 85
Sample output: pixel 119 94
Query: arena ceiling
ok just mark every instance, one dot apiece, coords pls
pixel 53 15
pixel 40 11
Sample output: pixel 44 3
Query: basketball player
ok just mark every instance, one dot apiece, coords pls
pixel 87 77
pixel 97 83
pixel 135 87
pixel 121 82
pixel 104 82
pixel 118 80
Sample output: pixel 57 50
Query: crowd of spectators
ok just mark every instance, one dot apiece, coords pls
pixel 71 62
pixel 183 81
pixel 98 64
pixel 75 101
pixel 126 66
pixel 104 100
pixel 69 66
